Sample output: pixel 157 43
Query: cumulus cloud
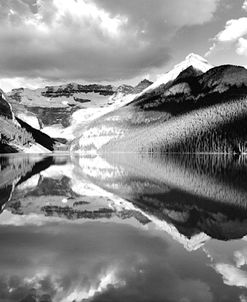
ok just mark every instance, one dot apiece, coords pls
pixel 234 29
pixel 234 33
pixel 91 40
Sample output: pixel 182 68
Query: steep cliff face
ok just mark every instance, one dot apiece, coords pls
pixel 12 135
pixel 38 136
pixel 73 88
pixel 16 135
pixel 5 108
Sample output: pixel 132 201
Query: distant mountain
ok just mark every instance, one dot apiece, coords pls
pixel 61 111
pixel 193 108
pixel 144 84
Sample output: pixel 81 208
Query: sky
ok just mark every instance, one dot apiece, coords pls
pixel 118 41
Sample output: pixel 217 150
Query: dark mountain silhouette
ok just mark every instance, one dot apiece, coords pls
pixel 39 137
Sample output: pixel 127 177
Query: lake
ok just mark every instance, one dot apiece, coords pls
pixel 123 227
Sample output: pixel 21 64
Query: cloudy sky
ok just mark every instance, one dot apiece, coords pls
pixel 53 41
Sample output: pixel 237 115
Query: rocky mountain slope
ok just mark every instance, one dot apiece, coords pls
pixel 61 111
pixel 198 108
pixel 16 135
pixel 5 107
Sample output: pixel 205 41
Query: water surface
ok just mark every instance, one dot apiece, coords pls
pixel 123 228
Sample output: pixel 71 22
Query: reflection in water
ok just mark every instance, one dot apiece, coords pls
pixel 123 227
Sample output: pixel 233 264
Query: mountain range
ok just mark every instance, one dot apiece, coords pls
pixel 195 107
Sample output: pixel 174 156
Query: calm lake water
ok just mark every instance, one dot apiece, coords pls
pixel 123 228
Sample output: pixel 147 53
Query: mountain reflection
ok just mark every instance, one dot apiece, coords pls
pixel 195 193
pixel 123 227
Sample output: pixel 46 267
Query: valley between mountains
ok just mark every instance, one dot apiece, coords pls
pixel 194 108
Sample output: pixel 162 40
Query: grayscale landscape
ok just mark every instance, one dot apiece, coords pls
pixel 123 150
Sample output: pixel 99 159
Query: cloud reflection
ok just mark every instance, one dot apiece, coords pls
pixel 96 262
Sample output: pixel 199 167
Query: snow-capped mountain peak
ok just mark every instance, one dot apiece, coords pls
pixel 195 56
pixel 194 60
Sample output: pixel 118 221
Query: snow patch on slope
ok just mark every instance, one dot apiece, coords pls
pixel 83 117
pixel 96 106
pixel 30 119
